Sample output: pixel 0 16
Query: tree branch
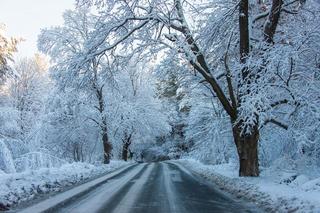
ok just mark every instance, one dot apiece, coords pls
pixel 228 76
pixel 276 122
pixel 277 103
pixel 200 63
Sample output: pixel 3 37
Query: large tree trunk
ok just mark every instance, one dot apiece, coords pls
pixel 107 148
pixel 247 148
pixel 246 143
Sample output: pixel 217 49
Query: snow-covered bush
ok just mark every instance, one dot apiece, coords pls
pixel 6 160
pixel 37 160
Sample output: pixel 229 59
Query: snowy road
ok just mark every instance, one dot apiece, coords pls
pixel 149 187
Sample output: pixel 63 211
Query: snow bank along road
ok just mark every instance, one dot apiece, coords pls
pixel 149 187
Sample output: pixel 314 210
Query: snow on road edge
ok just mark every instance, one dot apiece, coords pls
pixel 20 187
pixel 270 196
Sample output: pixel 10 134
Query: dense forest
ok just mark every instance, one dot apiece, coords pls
pixel 229 83
pixel 214 80
pixel 220 81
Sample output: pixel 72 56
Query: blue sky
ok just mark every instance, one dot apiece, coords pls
pixel 25 18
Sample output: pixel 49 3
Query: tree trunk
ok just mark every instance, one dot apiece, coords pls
pixel 247 148
pixel 273 20
pixel 107 148
pixel 130 154
pixel 244 31
pixel 125 151
pixel 246 143
pixel 126 143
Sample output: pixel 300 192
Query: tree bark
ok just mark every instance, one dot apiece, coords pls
pixel 244 30
pixel 246 143
pixel 247 148
pixel 107 148
pixel 125 151
pixel 125 147
pixel 273 20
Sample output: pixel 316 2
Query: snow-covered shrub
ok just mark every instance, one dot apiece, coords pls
pixel 6 160
pixel 37 160
pixel 9 116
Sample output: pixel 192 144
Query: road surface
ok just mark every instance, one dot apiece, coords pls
pixel 163 187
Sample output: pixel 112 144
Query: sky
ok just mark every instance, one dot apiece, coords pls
pixel 25 18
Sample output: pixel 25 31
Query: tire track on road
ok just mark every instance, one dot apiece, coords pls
pixel 97 199
pixel 128 201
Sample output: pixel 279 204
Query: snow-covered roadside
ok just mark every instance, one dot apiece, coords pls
pixel 18 187
pixel 273 191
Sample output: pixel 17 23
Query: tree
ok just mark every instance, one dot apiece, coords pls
pixel 173 89
pixel 66 130
pixel 8 46
pixel 27 91
pixel 162 24
pixel 69 41
pixel 134 110
pixel 111 95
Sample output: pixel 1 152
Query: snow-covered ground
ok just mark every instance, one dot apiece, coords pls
pixel 273 191
pixel 18 187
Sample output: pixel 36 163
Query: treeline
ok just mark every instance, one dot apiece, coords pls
pixel 227 79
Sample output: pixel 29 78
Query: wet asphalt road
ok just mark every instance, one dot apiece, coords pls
pixel 163 187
